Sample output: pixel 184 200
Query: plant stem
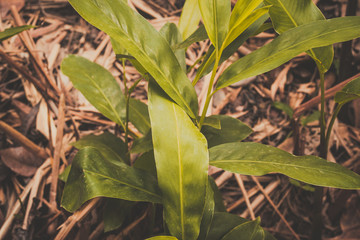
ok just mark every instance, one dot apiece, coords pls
pixel 331 124
pixel 317 224
pixel 209 92
pixel 127 99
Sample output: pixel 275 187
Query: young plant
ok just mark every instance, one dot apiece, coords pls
pixel 177 144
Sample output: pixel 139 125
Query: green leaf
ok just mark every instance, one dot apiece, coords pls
pixel 351 91
pixel 92 175
pixel 142 145
pixel 97 85
pixel 139 115
pixel 172 35
pixel 285 108
pixel 190 18
pixel 288 45
pixel 257 159
pixel 208 211
pixel 247 231
pixel 216 18
pixel 115 212
pixel 177 144
pixel 209 59
pixel 110 146
pixel 199 35
pixel 287 14
pixel 315 116
pixel 242 17
pixel 8 33
pixel 222 223
pixel 219 203
pixel 232 130
pixel 144 43
pixel 146 162
pixel 162 238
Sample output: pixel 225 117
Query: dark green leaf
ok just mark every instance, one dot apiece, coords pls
pixel 288 45
pixel 97 85
pixel 246 231
pixel 172 35
pixel 198 36
pixel 162 238
pixel 223 223
pixel 216 18
pixel 287 14
pixel 142 145
pixel 208 211
pixel 177 143
pixel 139 115
pixel 350 92
pixel 144 43
pixel 285 108
pixel 257 159
pixel 115 212
pixel 110 146
pixel 146 162
pixel 232 130
pixel 8 33
pixel 190 18
pixel 92 175
pixel 219 203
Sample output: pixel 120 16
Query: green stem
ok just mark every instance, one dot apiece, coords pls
pixel 323 147
pixel 331 124
pixel 127 99
pixel 209 92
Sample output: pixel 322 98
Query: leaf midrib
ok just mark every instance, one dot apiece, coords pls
pixel 181 193
pixel 121 182
pixel 151 61
pixel 286 49
pixel 266 162
pixel 106 99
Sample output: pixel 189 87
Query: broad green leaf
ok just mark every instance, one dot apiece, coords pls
pixel 115 212
pixel 142 145
pixel 144 43
pixel 198 36
pixel 219 203
pixel 146 162
pixel 288 45
pixel 190 18
pixel 110 146
pixel 162 238
pixel 208 211
pixel 209 59
pixel 287 14
pixel 177 144
pixel 97 85
pixel 232 130
pixel 222 223
pixel 216 18
pixel 92 175
pixel 8 33
pixel 350 92
pixel 246 231
pixel 242 17
pixel 172 35
pixel 285 108
pixel 257 159
pixel 139 115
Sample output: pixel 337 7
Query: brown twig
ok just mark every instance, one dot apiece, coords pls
pixel 39 86
pixel 275 208
pixel 328 94
pixel 24 141
pixel 68 225
pixel 245 194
